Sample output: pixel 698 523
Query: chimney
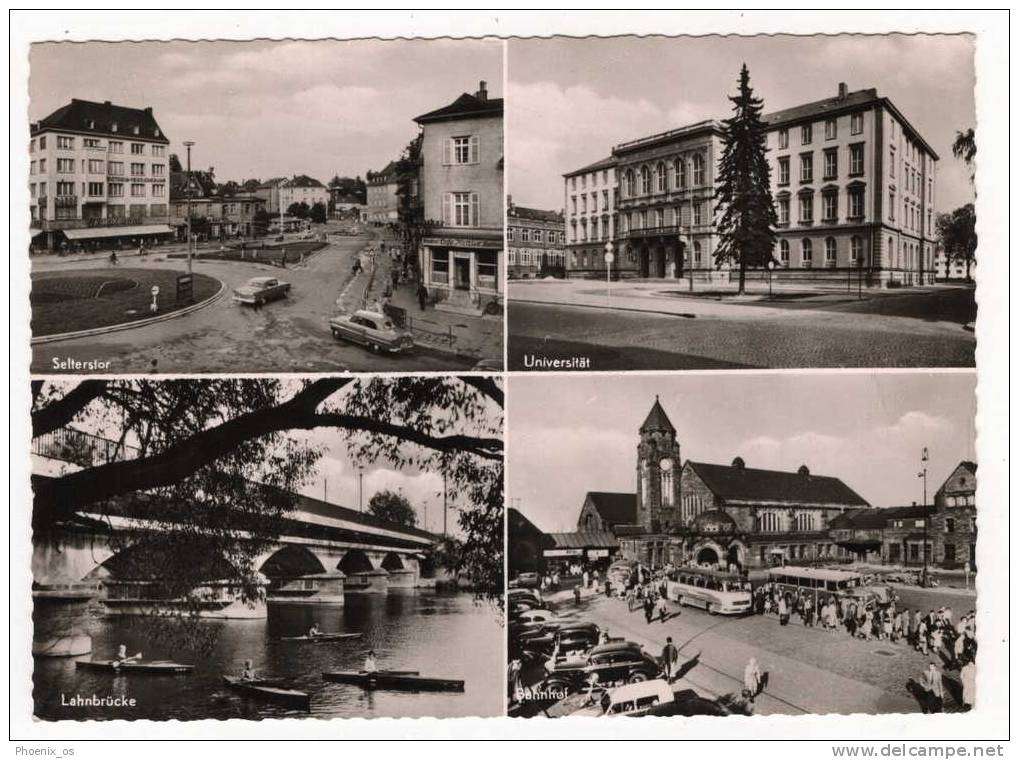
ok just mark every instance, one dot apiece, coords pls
pixel 482 93
pixel 842 90
pixel 804 471
pixel 107 103
pixel 148 110
pixel 509 202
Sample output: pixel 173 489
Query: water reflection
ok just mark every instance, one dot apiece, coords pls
pixel 439 635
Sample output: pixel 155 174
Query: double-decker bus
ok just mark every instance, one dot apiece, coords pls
pixel 822 582
pixel 717 591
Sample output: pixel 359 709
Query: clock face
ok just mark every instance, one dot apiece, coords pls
pixel 666 464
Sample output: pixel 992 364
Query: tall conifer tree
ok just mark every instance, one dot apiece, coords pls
pixel 746 226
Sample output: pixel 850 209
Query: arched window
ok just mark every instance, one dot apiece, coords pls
pixel 783 252
pixel 806 253
pixel 680 174
pixel 830 252
pixel 628 185
pixel 697 253
pixel 645 181
pixel 698 170
pixel 856 250
pixel 660 178
pixel 666 466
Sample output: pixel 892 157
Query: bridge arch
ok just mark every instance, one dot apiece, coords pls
pixel 355 561
pixel 392 561
pixel 291 561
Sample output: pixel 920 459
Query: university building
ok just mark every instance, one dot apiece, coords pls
pixel 684 511
pixel 461 187
pixel 534 241
pixel 98 175
pixel 853 183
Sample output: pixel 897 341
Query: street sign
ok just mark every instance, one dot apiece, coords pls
pixel 155 290
pixel 185 288
pixel 609 258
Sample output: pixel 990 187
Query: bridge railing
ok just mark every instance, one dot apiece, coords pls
pixel 81 448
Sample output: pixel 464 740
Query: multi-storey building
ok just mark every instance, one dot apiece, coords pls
pixel 945 270
pixel 853 183
pixel 383 198
pixel 223 216
pixel 590 217
pixel 535 241
pixel 283 192
pixel 98 174
pixel 461 186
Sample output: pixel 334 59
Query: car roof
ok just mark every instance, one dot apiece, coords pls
pixel 261 279
pixel 578 627
pixel 616 646
pixel 367 313
pixel 629 691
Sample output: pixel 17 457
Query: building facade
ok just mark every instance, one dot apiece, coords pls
pixel 284 192
pixel 461 186
pixel 535 242
pixel 591 194
pixel 853 182
pixel 98 174
pixel 696 512
pixel 383 198
pixel 955 270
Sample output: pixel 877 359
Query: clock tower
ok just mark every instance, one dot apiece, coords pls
pixel 658 467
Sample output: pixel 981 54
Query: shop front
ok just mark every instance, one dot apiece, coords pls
pixel 463 273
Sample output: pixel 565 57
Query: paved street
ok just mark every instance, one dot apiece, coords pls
pixel 290 335
pixel 810 671
pixel 651 327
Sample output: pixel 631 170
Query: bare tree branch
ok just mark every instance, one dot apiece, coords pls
pixel 487 386
pixel 61 411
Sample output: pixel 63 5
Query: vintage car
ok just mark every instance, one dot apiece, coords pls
pixel 563 640
pixel 525 580
pixel 614 663
pixel 371 329
pixel 530 595
pixel 260 290
pixel 630 699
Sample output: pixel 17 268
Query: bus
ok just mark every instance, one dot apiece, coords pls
pixel 717 591
pixel 822 582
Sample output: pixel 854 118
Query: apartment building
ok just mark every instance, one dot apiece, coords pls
pixel 590 199
pixel 383 199
pixel 535 241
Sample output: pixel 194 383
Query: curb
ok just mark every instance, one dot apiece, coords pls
pixel 682 315
pixel 129 325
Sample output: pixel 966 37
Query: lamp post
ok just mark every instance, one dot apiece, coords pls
pixel 926 516
pixel 609 258
pixel 771 268
pixel 188 144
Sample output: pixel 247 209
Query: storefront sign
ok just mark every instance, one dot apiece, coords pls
pixel 597 553
pixel 462 243
pixel 563 553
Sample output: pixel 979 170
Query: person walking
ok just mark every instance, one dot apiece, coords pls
pixel 649 608
pixel 968 676
pixel 783 611
pixel 670 656
pixel 752 679
pixel 932 684
pixel 422 294
pixel 663 608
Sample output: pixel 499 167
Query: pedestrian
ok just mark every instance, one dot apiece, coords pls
pixel 783 611
pixel 752 679
pixel 576 594
pixel 663 609
pixel 670 656
pixel 931 683
pixel 649 608
pixel 422 294
pixel 808 613
pixel 968 676
pixel 513 678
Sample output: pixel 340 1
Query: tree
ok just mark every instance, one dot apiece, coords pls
pixel 175 163
pixel 318 213
pixel 393 507
pixel 965 147
pixel 958 236
pixel 261 221
pixel 216 462
pixel 299 210
pixel 229 188
pixel 747 225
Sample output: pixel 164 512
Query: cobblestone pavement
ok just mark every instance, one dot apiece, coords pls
pixel 810 671
pixel 290 335
pixel 753 336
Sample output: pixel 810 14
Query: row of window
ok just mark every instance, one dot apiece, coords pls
pixel 665 177
pixel 830 157
pixel 67 142
pixel 96 166
pixel 529 235
pixel 120 211
pixel 831 249
pixel 831 131
pixel 594 177
pixel 97 190
pixel 583 208
pixel 526 257
pixel 912 214
pixel 486 269
pixel 855 198
pixel 770 521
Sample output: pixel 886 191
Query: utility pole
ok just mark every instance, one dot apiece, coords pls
pixel 188 144
pixel 926 516
pixel 360 491
pixel 444 503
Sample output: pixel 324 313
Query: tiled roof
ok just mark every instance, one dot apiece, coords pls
pixel 657 419
pixel 748 484
pixel 822 107
pixel 614 507
pixel 385 176
pixel 605 163
pixel 592 539
pixel 877 519
pixel 464 107
pixel 540 215
pixel 100 118
pixel 303 180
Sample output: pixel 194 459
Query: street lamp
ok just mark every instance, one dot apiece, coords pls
pixel 609 258
pixel 926 516
pixel 188 144
pixel 771 268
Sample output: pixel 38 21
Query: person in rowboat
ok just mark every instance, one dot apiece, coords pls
pixel 314 631
pixel 248 674
pixel 122 656
pixel 370 666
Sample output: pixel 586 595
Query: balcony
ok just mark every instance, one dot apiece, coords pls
pixel 83 449
pixel 653 232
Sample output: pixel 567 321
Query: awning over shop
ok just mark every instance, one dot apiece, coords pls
pixel 585 540
pixel 91 233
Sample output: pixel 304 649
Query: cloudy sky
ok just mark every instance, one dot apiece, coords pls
pixel 569 101
pixel 576 433
pixel 261 109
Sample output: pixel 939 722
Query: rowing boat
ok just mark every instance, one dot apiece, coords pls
pixel 269 690
pixel 322 637
pixel 157 667
pixel 393 679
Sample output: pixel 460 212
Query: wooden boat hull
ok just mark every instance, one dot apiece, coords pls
pixel 393 680
pixel 323 638
pixel 154 667
pixel 270 691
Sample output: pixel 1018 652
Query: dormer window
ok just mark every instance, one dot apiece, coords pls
pixel 157 133
pixel 113 127
pixel 90 123
pixel 136 130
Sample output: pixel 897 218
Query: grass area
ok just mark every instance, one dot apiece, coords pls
pixel 66 301
pixel 263 254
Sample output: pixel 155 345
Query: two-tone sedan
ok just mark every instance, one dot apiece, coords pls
pixel 260 290
pixel 371 329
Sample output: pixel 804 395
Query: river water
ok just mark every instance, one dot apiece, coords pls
pixel 441 635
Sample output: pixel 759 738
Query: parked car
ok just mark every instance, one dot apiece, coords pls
pixel 632 699
pixel 525 580
pixel 566 639
pixel 260 290
pixel 532 595
pixel 371 329
pixel 614 663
